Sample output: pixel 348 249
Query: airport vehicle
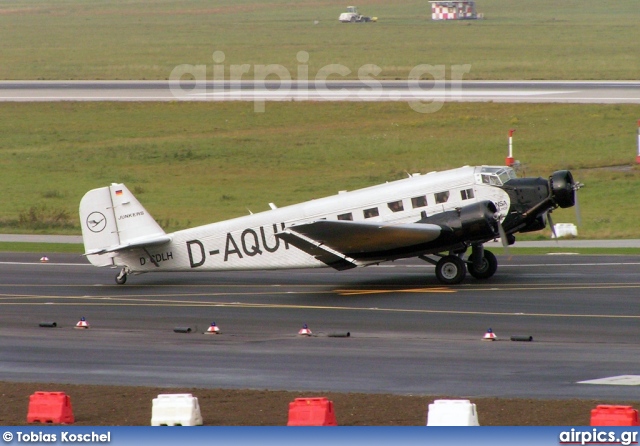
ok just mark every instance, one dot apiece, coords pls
pixel 436 217
pixel 352 16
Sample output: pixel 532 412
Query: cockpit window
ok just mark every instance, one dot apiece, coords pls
pixel 506 175
pixel 493 180
pixel 496 176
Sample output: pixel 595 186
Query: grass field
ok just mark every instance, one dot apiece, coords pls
pixel 194 163
pixel 134 39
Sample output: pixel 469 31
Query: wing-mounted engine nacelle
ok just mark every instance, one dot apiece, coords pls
pixel 479 220
pixel 475 222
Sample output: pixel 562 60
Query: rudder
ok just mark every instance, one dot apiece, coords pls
pixel 110 217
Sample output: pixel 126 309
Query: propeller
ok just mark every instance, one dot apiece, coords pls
pixel 576 187
pixel 503 238
pixel 553 228
pixel 503 234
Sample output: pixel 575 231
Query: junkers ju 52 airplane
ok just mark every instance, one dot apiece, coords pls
pixel 436 217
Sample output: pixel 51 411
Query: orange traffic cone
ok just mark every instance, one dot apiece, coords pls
pixel 489 335
pixel 304 331
pixel 213 329
pixel 82 323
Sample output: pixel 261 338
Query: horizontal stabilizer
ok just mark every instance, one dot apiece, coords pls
pixel 142 242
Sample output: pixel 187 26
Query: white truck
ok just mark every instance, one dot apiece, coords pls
pixel 352 16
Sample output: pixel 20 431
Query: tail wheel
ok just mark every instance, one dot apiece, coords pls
pixel 488 267
pixel 451 270
pixel 121 277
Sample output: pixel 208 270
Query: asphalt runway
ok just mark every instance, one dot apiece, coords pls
pixel 408 333
pixel 580 92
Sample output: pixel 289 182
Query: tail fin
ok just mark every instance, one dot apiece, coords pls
pixel 113 219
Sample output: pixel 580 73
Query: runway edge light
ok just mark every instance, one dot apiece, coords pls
pixel 489 335
pixel 305 331
pixel 82 323
pixel 213 329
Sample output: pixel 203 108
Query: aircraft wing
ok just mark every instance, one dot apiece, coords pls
pixel 141 242
pixel 342 243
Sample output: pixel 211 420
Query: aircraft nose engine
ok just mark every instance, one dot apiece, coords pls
pixel 563 188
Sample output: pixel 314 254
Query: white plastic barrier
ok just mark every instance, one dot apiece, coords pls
pixel 565 230
pixel 452 413
pixel 178 409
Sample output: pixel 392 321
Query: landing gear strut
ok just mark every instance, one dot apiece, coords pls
pixel 451 270
pixel 483 263
pixel 121 278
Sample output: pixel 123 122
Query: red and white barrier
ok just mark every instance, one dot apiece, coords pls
pixel 638 155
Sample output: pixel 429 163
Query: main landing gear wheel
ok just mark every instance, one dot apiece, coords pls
pixel 488 267
pixel 451 270
pixel 121 278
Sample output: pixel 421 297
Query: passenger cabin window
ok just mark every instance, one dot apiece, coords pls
pixel 347 216
pixel 372 212
pixel 442 197
pixel 396 206
pixel 466 194
pixel 419 202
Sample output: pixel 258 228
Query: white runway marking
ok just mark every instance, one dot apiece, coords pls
pixel 621 380
pixel 512 265
pixel 45 263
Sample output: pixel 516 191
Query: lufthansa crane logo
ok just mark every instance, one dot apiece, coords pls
pixel 96 222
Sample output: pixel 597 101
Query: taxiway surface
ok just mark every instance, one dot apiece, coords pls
pixel 408 333
pixel 580 92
